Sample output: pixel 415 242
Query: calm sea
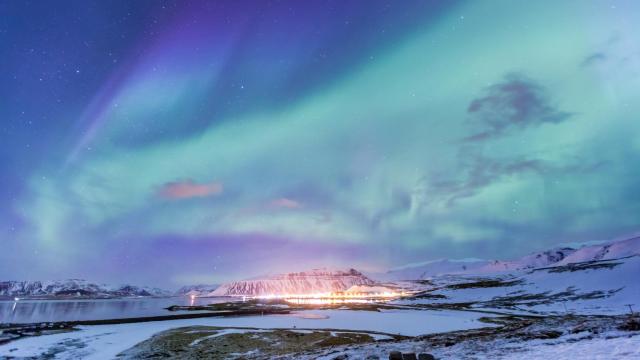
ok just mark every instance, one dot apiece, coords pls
pixel 33 311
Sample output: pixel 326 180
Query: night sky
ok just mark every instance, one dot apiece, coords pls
pixel 168 143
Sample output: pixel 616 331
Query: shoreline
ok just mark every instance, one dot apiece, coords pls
pixel 14 331
pixel 183 336
pixel 65 298
pixel 105 341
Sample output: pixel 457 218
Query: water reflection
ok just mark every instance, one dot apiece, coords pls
pixel 29 311
pixel 329 301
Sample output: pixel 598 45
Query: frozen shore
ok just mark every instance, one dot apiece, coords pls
pixel 106 341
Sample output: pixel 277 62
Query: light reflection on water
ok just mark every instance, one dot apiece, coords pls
pixel 33 311
pixel 329 301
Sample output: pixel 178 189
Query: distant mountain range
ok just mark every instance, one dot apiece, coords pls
pixel 196 290
pixel 74 288
pixel 306 282
pixel 553 257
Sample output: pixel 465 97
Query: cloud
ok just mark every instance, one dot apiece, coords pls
pixel 189 189
pixel 593 59
pixel 516 103
pixel 484 171
pixel 479 173
pixel 285 203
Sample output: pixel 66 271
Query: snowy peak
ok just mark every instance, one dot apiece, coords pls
pixel 305 282
pixel 612 250
pixel 74 288
pixel 564 256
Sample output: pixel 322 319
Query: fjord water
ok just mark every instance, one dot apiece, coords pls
pixel 34 311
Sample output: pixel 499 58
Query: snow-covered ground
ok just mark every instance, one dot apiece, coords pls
pixel 560 338
pixel 601 287
pixel 614 346
pixel 624 347
pixel 105 341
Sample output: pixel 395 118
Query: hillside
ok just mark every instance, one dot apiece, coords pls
pixel 306 282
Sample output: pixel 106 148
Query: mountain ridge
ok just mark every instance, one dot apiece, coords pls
pixel 74 288
pixel 196 290
pixel 551 257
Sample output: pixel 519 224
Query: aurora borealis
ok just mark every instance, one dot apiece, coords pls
pixel 176 142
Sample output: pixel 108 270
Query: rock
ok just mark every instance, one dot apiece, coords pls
pixel 551 334
pixel 341 357
pixel 630 325
pixel 395 355
pixel 426 357
pixel 409 356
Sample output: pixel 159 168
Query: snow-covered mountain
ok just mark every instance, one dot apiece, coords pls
pixel 196 290
pixel 432 268
pixel 73 288
pixel 531 261
pixel 564 256
pixel 595 279
pixel 306 282
pixel 611 250
pixel 553 257
pixel 591 287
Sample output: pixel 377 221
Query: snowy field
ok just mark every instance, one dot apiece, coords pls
pixel 105 341
pixel 605 348
pixel 596 349
pixel 560 338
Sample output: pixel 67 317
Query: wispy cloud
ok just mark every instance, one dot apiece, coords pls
pixel 479 173
pixel 515 103
pixel 593 59
pixel 285 203
pixel 189 189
